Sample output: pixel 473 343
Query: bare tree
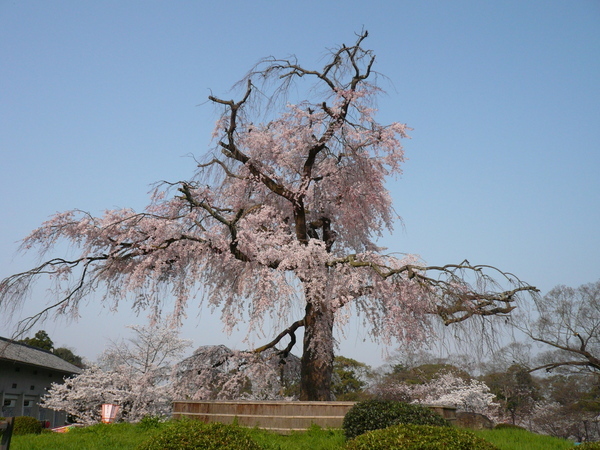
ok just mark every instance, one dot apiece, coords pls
pixel 283 212
pixel 568 321
pixel 153 348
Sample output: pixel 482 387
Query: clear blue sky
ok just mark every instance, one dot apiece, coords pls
pixel 100 99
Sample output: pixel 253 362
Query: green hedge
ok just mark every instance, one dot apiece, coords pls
pixel 191 435
pixel 26 425
pixel 419 437
pixel 377 414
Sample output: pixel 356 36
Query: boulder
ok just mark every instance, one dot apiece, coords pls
pixel 473 421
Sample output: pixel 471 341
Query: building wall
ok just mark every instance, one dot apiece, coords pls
pixel 21 389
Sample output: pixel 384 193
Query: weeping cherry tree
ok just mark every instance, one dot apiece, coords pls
pixel 282 216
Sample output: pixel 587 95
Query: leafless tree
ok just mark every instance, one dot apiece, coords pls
pixel 568 321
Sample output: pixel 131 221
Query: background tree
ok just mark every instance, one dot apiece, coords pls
pixel 569 406
pixel 516 391
pixel 567 319
pixel 424 373
pixel 350 379
pixel 287 207
pixel 68 355
pixel 40 340
pixel 403 378
pixel 152 349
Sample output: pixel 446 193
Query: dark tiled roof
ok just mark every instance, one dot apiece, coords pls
pixel 25 354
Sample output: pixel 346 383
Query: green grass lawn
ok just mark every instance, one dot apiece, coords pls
pixel 128 436
pixel 118 436
pixel 515 439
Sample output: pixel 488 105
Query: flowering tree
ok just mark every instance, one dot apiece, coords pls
pixel 152 349
pixel 446 388
pixel 285 211
pixel 449 389
pixel 218 373
pixel 134 375
pixel 83 395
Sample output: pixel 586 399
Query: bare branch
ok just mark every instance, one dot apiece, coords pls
pixel 291 332
pixel 580 364
pixel 228 172
pixel 566 319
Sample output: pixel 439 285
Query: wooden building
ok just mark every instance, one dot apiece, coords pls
pixel 26 374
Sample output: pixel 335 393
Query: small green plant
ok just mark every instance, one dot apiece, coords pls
pixel 150 422
pixel 26 425
pixel 190 435
pixel 420 437
pixel 589 446
pixel 377 414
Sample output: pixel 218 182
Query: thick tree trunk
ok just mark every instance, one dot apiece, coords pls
pixel 317 357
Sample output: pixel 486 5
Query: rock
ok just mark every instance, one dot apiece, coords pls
pixel 473 421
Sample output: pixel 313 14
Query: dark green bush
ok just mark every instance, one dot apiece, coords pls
pixel 26 425
pixel 421 437
pixel 188 435
pixel 378 414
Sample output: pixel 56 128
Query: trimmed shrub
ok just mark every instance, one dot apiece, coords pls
pixel 190 435
pixel 377 414
pixel 26 425
pixel 421 437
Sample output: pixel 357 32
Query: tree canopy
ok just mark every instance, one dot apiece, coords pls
pixel 39 340
pixel 284 212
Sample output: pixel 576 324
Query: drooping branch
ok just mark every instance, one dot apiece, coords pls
pixel 16 286
pixel 457 299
